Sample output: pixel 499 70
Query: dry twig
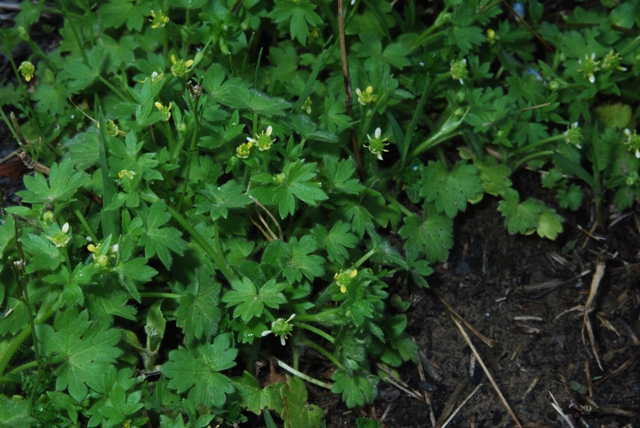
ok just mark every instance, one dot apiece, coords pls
pixel 557 408
pixel 486 371
pixel 595 283
pixel 455 412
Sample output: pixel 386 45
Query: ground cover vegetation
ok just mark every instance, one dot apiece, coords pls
pixel 221 182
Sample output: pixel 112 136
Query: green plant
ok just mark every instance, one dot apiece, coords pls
pixel 223 173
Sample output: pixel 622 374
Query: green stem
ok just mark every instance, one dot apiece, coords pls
pixel 113 88
pixel 324 316
pixel 23 367
pixel 302 375
pixel 601 217
pixel 365 257
pixel 84 224
pixel 160 295
pixel 532 156
pixel 76 36
pixel 314 330
pixel 429 38
pixel 394 201
pixel 322 351
pixel 193 148
pixel 630 47
pixel 36 347
pixel 537 144
pixel 218 259
pixel 443 159
pixel 24 93
pixel 18 340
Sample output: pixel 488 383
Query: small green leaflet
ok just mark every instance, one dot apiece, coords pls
pixel 221 199
pixel 197 370
pixel 249 301
pixel 298 14
pixel 118 12
pixel 519 217
pixel 88 350
pixel 335 241
pixel 15 413
pixel 356 214
pixel 356 390
pixel 571 197
pixel 339 175
pixel 72 292
pixel 394 54
pixel 63 183
pixel 45 255
pixel 294 258
pixel 450 189
pixel 550 224
pixel 198 313
pixel 7 233
pixel 298 179
pixel 158 240
pixel 252 396
pixel 434 234
pixel 297 413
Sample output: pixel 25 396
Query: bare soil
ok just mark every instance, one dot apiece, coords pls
pixel 491 279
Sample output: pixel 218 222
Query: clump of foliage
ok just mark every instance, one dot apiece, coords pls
pixel 225 176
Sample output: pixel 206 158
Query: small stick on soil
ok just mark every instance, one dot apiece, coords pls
pixel 421 370
pixel 606 323
pixel 531 386
pixel 453 415
pixel 399 384
pixel 448 406
pixel 492 343
pixel 630 332
pixel 619 370
pixel 587 372
pixel 405 390
pixel 595 283
pixel 557 408
pixel 386 411
pixel 486 371
pixel 431 370
pixel 527 318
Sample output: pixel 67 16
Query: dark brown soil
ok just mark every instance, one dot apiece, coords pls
pixel 491 278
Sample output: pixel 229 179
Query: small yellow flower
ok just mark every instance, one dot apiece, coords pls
pixel 61 237
pixel 48 217
pixel 155 77
pixel 367 96
pixel 101 256
pixel 244 150
pixel 27 69
pixel 263 140
pixel 306 106
pixel 377 143
pixel 633 140
pixel 344 277
pixel 281 328
pixel 573 135
pixel 589 67
pixel 159 20
pixel 180 67
pixel 611 61
pixel 166 111
pixel 459 70
pixel 126 173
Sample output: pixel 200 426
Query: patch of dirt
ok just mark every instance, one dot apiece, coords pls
pixel 491 278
